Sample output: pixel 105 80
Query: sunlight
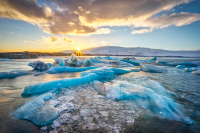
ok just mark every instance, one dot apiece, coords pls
pixel 78 49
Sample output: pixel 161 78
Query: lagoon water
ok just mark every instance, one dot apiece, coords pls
pixel 184 85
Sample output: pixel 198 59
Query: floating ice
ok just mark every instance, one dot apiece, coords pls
pixel 152 59
pixel 61 63
pixel 196 72
pixel 5 59
pixel 180 67
pixel 191 69
pixel 36 111
pixel 64 69
pixel 131 62
pixel 151 68
pixel 188 64
pixel 73 60
pixel 13 74
pixel 50 64
pixel 87 62
pixel 86 77
pixel 39 65
pixel 155 86
pixel 146 97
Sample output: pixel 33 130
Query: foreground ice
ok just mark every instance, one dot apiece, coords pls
pixel 39 65
pixel 87 62
pixel 13 74
pixel 5 59
pixel 64 69
pixel 74 61
pixel 36 111
pixel 152 68
pixel 146 97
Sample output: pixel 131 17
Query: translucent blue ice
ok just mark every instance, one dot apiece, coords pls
pixel 152 68
pixel 13 74
pixel 87 62
pixel 146 97
pixel 160 61
pixel 73 61
pixel 188 64
pixel 152 59
pixel 135 63
pixel 54 70
pixel 180 67
pixel 36 111
pixel 5 59
pixel 61 63
pixel 50 64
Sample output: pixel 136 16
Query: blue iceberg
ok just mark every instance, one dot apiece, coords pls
pixel 61 63
pixel 87 62
pixel 54 70
pixel 13 74
pixel 146 97
pixel 135 63
pixel 180 67
pixel 196 72
pixel 152 68
pixel 36 111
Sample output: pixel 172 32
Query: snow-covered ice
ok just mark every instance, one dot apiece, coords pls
pixel 152 68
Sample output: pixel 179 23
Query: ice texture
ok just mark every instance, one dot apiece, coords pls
pixel 152 59
pixel 88 62
pixel 39 65
pixel 13 74
pixel 152 68
pixel 36 111
pixel 64 69
pixel 146 97
pixel 73 60
pixel 190 69
pixel 160 61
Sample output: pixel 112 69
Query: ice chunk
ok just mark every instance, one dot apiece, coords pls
pixel 62 83
pixel 188 64
pixel 73 61
pixel 61 63
pixel 120 70
pixel 196 72
pixel 88 62
pixel 152 68
pixel 5 59
pixel 39 65
pixel 155 86
pixel 13 74
pixel 50 64
pixel 190 69
pixel 96 60
pixel 131 62
pixel 39 73
pixel 152 59
pixel 146 97
pixel 36 111
pixel 53 70
pixel 160 61
pixel 180 67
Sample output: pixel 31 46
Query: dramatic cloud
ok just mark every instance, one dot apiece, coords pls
pixel 53 41
pixel 86 17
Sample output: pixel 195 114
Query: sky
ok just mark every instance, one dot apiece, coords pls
pixel 58 25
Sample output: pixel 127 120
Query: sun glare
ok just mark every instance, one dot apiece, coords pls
pixel 78 49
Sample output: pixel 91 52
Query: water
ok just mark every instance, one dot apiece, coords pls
pixel 185 85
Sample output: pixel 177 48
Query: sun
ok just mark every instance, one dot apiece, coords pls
pixel 79 49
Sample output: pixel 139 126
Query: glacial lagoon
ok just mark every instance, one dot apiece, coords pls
pixel 126 99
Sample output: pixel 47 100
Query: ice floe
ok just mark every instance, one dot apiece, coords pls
pixel 13 74
pixel 152 68
pixel 39 65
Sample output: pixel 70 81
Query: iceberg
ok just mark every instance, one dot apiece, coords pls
pixel 103 73
pixel 152 59
pixel 64 69
pixel 196 72
pixel 36 111
pixel 190 69
pixel 151 68
pixel 87 62
pixel 13 74
pixel 73 60
pixel 187 64
pixel 5 59
pixel 61 63
pixel 39 65
pixel 180 67
pixel 160 61
pixel 146 97
pixel 135 63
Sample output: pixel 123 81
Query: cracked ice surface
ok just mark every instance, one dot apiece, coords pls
pixel 90 111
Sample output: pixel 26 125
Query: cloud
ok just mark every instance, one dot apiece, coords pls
pixel 53 41
pixel 141 31
pixel 105 43
pixel 86 17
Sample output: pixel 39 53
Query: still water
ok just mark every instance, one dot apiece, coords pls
pixel 186 87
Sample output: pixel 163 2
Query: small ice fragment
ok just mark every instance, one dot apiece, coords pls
pixel 56 123
pixel 44 128
pixel 75 117
pixel 103 113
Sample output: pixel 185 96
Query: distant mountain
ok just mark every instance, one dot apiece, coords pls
pixel 137 51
